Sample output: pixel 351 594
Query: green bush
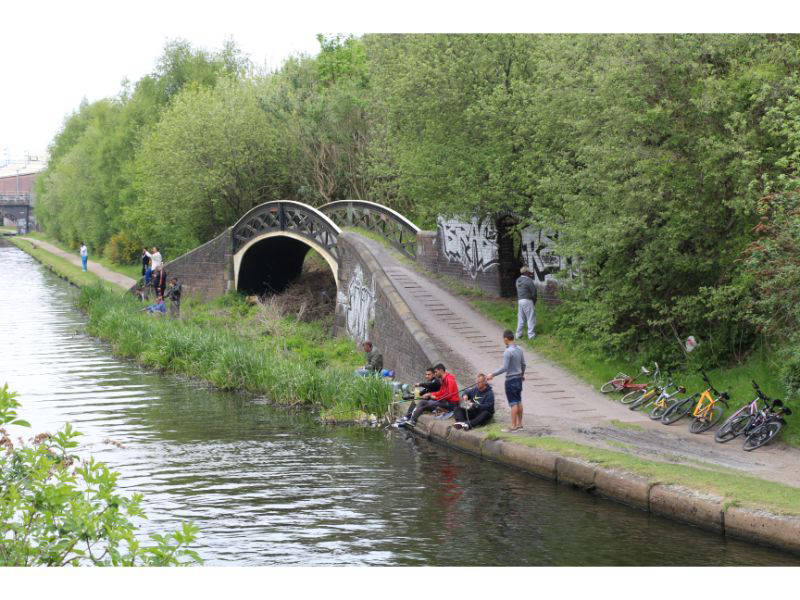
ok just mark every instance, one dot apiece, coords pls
pixel 57 510
pixel 123 248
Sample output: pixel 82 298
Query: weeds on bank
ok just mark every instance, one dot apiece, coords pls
pixel 232 345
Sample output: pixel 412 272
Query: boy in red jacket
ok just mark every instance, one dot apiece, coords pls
pixel 445 398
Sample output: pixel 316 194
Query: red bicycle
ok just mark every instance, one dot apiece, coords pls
pixel 626 383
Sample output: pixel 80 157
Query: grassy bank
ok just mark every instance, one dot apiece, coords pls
pixel 62 267
pixel 737 489
pixel 235 345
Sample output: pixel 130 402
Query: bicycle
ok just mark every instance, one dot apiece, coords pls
pixel 622 382
pixel 650 396
pixel 664 400
pixel 641 389
pixel 740 421
pixel 706 413
pixel 770 428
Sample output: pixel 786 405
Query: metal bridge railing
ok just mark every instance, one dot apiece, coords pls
pixel 375 218
pixel 287 215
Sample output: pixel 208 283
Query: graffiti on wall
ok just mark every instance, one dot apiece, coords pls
pixel 538 252
pixel 358 302
pixel 472 244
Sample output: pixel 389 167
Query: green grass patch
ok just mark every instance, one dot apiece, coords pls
pixel 623 425
pixel 736 488
pixel 133 271
pixel 63 267
pixel 236 345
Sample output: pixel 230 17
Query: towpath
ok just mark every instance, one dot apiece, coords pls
pixel 555 402
pixel 75 259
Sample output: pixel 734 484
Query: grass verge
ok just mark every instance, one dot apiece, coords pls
pixel 235 345
pixel 63 268
pixel 735 488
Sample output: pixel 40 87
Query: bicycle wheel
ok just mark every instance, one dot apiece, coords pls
pixel 699 425
pixel 609 386
pixel 644 399
pixel 658 410
pixel 632 396
pixel 732 428
pixel 677 411
pixel 762 435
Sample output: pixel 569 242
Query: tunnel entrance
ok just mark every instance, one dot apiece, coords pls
pixel 269 266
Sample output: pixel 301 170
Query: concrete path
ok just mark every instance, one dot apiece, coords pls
pixel 75 259
pixel 557 403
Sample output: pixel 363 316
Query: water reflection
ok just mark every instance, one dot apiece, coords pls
pixel 267 486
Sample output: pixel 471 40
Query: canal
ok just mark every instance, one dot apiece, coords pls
pixel 271 487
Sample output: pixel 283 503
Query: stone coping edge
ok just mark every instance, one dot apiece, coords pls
pixel 671 501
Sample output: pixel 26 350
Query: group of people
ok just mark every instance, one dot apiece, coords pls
pixel 473 406
pixel 155 278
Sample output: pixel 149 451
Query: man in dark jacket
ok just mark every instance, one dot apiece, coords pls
pixel 160 281
pixel 174 294
pixel 526 303
pixel 481 401
pixel 374 364
pixel 430 385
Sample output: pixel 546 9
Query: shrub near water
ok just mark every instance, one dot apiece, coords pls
pixel 224 344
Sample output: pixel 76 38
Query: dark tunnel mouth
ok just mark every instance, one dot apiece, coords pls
pixel 270 265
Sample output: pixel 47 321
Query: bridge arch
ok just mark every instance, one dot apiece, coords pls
pixel 271 240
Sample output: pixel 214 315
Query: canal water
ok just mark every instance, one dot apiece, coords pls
pixel 270 487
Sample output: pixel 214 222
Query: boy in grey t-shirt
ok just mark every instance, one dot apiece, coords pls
pixel 514 368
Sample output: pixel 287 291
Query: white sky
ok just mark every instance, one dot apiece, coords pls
pixel 53 54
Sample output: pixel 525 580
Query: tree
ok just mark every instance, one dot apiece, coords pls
pixel 211 157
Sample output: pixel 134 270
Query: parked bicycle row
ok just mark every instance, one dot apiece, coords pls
pixel 759 421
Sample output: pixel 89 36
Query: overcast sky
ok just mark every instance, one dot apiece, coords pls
pixel 53 54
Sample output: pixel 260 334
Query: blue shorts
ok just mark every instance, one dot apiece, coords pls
pixel 514 391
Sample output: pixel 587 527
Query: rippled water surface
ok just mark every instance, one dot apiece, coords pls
pixel 267 487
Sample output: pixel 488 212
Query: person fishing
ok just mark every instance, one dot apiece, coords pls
pixel 445 398
pixel 174 294
pixel 480 401
pixel 430 384
pixel 374 358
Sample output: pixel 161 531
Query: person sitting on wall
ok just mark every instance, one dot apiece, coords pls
pixel 446 397
pixel 430 384
pixel 480 401
pixel 374 364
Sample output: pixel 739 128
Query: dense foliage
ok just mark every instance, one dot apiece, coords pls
pixel 648 156
pixel 56 509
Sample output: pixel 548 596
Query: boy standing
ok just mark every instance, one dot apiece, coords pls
pixel 514 368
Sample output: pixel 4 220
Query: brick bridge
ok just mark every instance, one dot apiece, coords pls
pixel 264 251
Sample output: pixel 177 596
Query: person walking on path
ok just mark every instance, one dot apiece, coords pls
pixel 84 257
pixel 514 368
pixel 526 303
pixel 481 399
